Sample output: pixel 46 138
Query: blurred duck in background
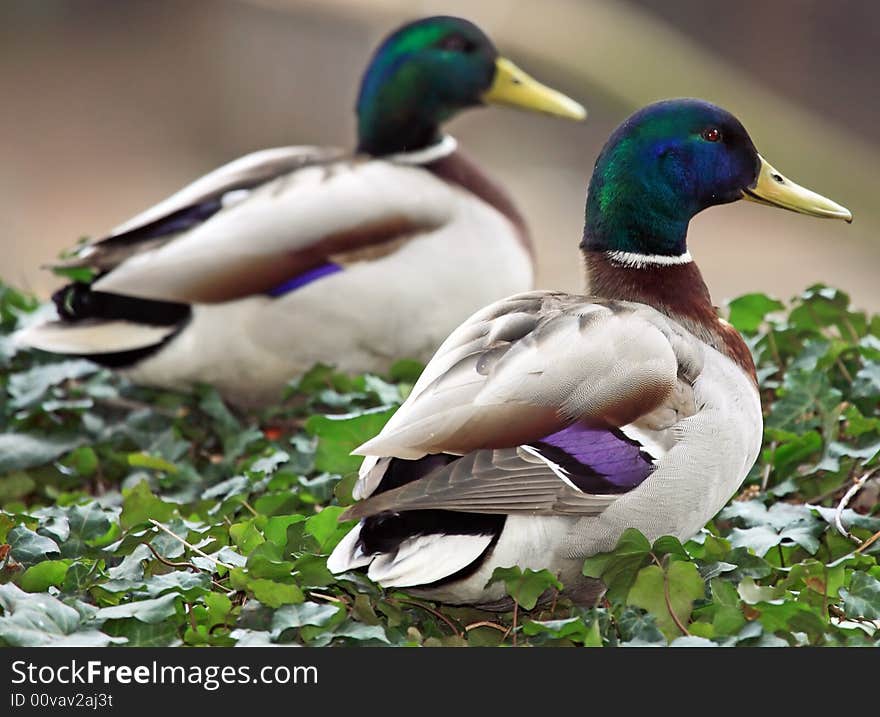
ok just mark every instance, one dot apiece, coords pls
pixel 295 255
pixel 548 423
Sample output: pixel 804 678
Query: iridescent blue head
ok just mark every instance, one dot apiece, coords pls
pixel 670 161
pixel 427 71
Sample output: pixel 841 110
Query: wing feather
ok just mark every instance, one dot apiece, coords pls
pixel 501 481
pixel 515 374
pixel 196 202
pixel 301 208
pixel 242 173
pixel 502 379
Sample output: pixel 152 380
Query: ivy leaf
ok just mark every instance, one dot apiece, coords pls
pixel 156 463
pixel 29 386
pixel 752 593
pixel 308 613
pixel 669 545
pixel 338 436
pixel 82 274
pixel 39 577
pixel 252 638
pixel 866 383
pixel 760 539
pixel 311 571
pixel 140 505
pixel 188 585
pixel 88 525
pixel 276 528
pixel 693 641
pixel 83 460
pixel 141 634
pixel 37 620
pixel 211 403
pixel 781 524
pixel 21 450
pixel 275 594
pixel 266 561
pixel 790 616
pixel 149 611
pixel 246 535
pixel 525 586
pixel 619 568
pixel 237 485
pixel 326 528
pixel 406 371
pixel 849 518
pixel 359 632
pixel 806 397
pixel 29 548
pixel 862 599
pixel 748 312
pixel 573 628
pixel 385 393
pixel 796 450
pixel 668 594
pixel 267 465
pixel 638 628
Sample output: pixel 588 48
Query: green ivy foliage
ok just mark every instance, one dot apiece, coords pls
pixel 136 517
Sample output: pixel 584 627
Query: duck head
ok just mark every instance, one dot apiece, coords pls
pixel 427 71
pixel 670 161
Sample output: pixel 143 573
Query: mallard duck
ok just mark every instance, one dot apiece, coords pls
pixel 295 255
pixel 548 423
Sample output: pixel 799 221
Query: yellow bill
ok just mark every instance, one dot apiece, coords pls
pixel 773 189
pixel 514 87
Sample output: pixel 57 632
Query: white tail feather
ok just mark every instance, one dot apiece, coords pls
pixel 96 337
pixel 426 559
pixel 347 555
pixel 369 476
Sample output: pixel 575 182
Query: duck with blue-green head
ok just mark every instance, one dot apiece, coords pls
pixel 297 255
pixel 549 423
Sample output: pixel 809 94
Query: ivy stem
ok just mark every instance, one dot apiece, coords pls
pixel 853 334
pixel 553 604
pixel 774 349
pixel 169 563
pixel 128 404
pixel 328 598
pixel 192 618
pixel 825 591
pixel 869 542
pixel 435 613
pixel 249 507
pixel 846 374
pixel 189 545
pixel 765 478
pixel 848 496
pixel 515 615
pixel 487 623
pixel 675 618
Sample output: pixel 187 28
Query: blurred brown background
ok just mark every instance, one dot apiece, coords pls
pixel 108 106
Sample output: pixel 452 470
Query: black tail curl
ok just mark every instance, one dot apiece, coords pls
pixel 77 301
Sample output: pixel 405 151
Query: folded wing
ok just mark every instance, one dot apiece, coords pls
pixel 328 210
pixel 264 219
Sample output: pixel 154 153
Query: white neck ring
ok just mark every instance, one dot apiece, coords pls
pixel 634 260
pixel 446 146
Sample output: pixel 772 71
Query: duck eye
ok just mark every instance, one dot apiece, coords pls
pixel 455 43
pixel 712 134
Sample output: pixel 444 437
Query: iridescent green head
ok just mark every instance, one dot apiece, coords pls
pixel 427 71
pixel 671 160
